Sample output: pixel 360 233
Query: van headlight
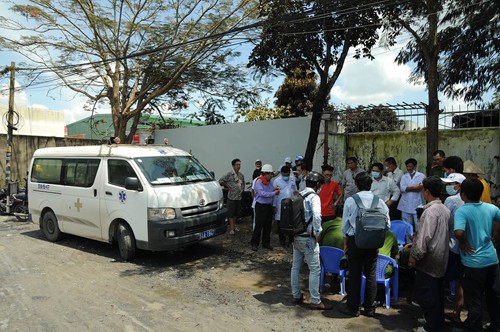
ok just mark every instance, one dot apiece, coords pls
pixel 161 214
pixel 221 203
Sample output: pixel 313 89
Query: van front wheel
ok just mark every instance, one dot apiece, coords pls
pixel 50 228
pixel 126 241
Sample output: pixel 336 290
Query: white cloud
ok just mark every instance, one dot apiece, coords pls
pixel 373 82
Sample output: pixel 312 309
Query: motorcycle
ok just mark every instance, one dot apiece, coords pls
pixel 16 203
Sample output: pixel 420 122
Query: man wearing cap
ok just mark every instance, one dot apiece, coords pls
pixel 453 202
pixel 234 182
pixel 257 171
pixel 264 193
pixel 306 247
pixel 473 171
pixel 288 188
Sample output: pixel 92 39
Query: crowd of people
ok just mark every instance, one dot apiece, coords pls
pixel 454 236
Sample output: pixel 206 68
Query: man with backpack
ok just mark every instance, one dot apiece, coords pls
pixel 361 246
pixel 305 245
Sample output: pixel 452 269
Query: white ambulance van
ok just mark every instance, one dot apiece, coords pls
pixel 148 197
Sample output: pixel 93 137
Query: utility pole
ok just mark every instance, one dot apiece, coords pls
pixel 10 119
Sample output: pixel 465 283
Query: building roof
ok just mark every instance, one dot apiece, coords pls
pixel 100 126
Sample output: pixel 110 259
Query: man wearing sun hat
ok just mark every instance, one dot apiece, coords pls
pixel 473 171
pixel 453 202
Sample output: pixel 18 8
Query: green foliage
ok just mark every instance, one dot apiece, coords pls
pixel 298 91
pixel 263 112
pixel 358 120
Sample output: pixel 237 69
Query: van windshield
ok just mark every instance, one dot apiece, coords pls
pixel 173 169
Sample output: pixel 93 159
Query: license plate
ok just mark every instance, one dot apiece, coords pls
pixel 206 234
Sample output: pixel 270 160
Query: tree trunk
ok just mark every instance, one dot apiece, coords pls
pixel 318 108
pixel 432 129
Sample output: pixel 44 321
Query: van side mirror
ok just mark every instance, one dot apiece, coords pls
pixel 132 183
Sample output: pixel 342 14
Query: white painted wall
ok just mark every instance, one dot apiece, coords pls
pixel 35 122
pixel 271 141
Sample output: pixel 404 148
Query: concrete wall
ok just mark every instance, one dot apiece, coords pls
pixel 481 145
pixel 271 141
pixel 35 122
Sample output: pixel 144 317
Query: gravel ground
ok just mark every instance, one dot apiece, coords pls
pixel 80 284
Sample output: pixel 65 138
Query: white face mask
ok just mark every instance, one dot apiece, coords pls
pixel 450 190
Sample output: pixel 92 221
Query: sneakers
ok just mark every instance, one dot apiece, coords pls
pixel 320 306
pixel 346 310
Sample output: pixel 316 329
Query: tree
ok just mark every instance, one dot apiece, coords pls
pixel 361 119
pixel 316 35
pixel 297 91
pixel 470 44
pixel 263 112
pixel 137 53
pixel 441 34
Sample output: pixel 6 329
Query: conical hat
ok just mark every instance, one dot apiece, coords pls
pixel 470 167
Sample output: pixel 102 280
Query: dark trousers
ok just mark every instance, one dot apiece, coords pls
pixel 475 283
pixel 263 224
pixel 361 260
pixel 394 213
pixel 429 293
pixel 282 237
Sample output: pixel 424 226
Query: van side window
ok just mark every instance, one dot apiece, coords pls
pixel 47 171
pixel 81 172
pixel 118 171
pixel 69 172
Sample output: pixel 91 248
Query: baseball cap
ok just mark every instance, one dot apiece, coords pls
pixel 454 177
pixel 267 168
pixel 299 158
pixel 258 161
pixel 288 160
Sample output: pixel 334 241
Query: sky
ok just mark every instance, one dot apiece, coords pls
pixel 361 82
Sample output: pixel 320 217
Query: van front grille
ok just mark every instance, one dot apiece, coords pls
pixel 193 211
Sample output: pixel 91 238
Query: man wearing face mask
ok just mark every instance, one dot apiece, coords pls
pixel 384 187
pixel 453 202
pixel 411 193
pixel 288 188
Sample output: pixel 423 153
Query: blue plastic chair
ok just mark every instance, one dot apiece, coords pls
pixel 393 280
pixel 401 229
pixel 330 263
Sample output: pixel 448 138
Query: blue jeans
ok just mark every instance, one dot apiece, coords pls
pixel 411 218
pixel 306 248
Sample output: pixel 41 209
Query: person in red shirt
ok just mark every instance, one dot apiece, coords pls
pixel 329 194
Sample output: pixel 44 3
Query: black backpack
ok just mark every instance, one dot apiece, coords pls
pixel 292 221
pixel 371 225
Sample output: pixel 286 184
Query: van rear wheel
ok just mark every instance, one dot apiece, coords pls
pixel 50 228
pixel 126 241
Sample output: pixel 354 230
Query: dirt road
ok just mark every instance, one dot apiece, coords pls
pixel 78 284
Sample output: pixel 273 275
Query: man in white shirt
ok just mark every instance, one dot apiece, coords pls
pixel 411 193
pixel 393 171
pixel 384 187
pixel 288 188
pixel 306 247
pixel 360 260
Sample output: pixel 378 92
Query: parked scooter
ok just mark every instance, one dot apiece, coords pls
pixel 16 203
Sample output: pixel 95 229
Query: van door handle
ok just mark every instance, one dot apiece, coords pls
pixel 109 193
pixel 95 192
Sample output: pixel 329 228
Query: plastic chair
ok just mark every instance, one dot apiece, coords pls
pixel 401 229
pixel 382 263
pixel 330 263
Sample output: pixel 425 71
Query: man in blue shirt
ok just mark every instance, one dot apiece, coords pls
pixel 306 247
pixel 473 230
